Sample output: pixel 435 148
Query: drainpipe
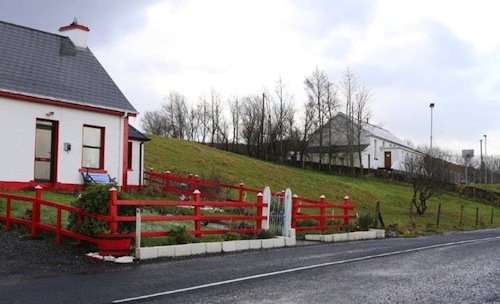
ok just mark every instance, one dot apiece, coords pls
pixel 125 152
pixel 140 165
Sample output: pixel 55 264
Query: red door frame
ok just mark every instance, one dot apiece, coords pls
pixel 54 148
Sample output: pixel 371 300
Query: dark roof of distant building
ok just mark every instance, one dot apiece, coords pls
pixel 135 134
pixel 46 65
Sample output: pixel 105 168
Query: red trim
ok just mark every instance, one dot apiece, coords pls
pixel 125 154
pixel 63 103
pixel 73 26
pixel 83 170
pixel 21 186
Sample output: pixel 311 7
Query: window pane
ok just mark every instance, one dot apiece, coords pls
pixel 91 158
pixel 43 143
pixel 91 136
pixel 42 170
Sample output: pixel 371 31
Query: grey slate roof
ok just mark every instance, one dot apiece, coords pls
pixel 135 134
pixel 42 64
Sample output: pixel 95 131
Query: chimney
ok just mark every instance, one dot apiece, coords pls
pixel 76 32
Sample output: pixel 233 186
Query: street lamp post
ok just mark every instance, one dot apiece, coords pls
pixel 485 160
pixel 432 107
pixel 482 162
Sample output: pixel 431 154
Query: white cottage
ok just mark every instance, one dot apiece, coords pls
pixel 379 148
pixel 61 113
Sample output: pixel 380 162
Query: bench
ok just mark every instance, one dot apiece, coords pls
pixel 98 178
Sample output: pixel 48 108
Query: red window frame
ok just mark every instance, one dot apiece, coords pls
pixel 100 148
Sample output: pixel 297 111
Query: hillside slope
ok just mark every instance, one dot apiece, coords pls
pixel 187 157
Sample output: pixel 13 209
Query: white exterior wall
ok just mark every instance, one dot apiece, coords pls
pixel 17 133
pixel 136 172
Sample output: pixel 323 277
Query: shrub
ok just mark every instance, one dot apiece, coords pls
pixel 232 236
pixel 179 235
pixel 95 199
pixel 264 234
pixel 366 221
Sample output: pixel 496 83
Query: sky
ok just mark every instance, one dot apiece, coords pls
pixel 408 53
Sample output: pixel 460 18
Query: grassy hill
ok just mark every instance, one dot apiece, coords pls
pixel 186 157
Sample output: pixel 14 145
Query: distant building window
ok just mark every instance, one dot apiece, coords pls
pixel 93 147
pixel 375 153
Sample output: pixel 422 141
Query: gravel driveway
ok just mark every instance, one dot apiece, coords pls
pixel 22 257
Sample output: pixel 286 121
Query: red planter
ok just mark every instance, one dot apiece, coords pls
pixel 113 244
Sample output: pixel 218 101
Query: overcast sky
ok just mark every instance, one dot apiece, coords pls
pixel 409 53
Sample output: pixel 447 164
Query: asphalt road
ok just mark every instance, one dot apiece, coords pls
pixel 450 268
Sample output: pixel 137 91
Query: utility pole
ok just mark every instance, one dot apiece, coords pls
pixel 482 163
pixel 432 107
pixel 485 160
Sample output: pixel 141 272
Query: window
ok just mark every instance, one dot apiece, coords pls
pixel 375 153
pixel 93 147
pixel 129 154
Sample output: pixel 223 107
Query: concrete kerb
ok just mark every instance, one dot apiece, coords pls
pixel 146 253
pixel 349 236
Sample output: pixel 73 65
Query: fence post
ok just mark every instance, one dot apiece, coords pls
pixel 113 210
pixel 438 215
pixel 197 213
pixel 461 215
pixel 240 198
pixel 287 220
pixel 491 219
pixel 346 211
pixel 295 199
pixel 166 182
pixel 260 201
pixel 266 211
pixel 138 230
pixel 477 216
pixel 35 211
pixel 322 213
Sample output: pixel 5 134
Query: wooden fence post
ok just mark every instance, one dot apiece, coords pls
pixel 260 201
pixel 461 215
pixel 346 211
pixel 322 213
pixel 35 211
pixel 240 196
pixel 491 219
pixel 477 216
pixel 197 213
pixel 113 210
pixel 438 217
pixel 379 222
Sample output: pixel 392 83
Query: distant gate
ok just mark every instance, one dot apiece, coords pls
pixel 280 211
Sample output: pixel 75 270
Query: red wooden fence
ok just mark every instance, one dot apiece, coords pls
pixel 186 185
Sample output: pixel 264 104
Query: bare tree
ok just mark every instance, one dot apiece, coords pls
pixel 283 112
pixel 361 114
pixel 427 174
pixel 331 109
pixel 215 115
pixel 316 89
pixel 153 122
pixel 193 124
pixel 349 89
pixel 250 116
pixel 307 131
pixel 175 112
pixel 204 116
pixel 234 107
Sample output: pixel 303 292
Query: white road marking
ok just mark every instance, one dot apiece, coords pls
pixel 269 274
